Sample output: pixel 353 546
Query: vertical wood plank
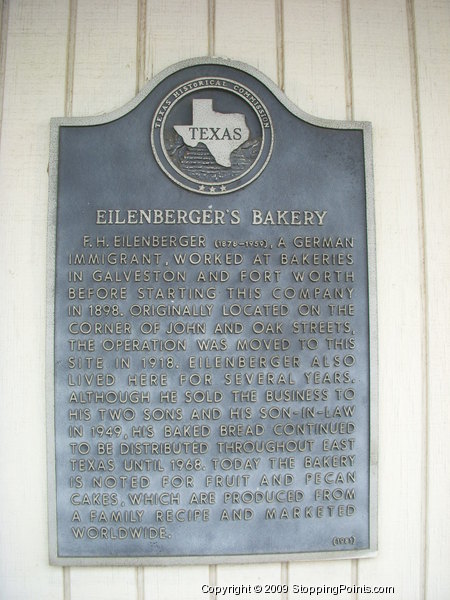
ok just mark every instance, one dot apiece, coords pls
pixel 432 26
pixel 167 583
pixel 175 31
pixel 383 94
pixel 315 79
pixel 104 78
pixel 314 57
pixel 34 82
pixel 103 583
pixel 105 55
pixel 249 576
pixel 247 31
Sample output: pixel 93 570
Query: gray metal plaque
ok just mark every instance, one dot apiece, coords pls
pixel 211 347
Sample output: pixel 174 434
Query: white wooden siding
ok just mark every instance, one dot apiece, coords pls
pixel 386 61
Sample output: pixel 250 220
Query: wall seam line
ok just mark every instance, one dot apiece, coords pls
pixel 348 67
pixel 70 57
pixel 211 16
pixel 418 151
pixel 141 37
pixel 66 583
pixel 279 37
pixel 284 579
pixel 3 52
pixel 211 27
pixel 68 108
pixel 140 44
pixel 279 33
pixel 349 115
pixel 140 583
pixel 212 581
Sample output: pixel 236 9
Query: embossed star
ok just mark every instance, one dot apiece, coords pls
pixel 201 188
pixel 223 188
pixel 212 189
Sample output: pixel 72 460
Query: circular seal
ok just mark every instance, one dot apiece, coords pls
pixel 212 135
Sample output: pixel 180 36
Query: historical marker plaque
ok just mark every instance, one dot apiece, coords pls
pixel 211 381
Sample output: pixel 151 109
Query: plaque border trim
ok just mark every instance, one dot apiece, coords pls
pixel 366 128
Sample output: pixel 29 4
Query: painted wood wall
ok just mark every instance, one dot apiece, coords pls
pixel 386 61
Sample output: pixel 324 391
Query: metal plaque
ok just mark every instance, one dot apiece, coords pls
pixel 211 328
